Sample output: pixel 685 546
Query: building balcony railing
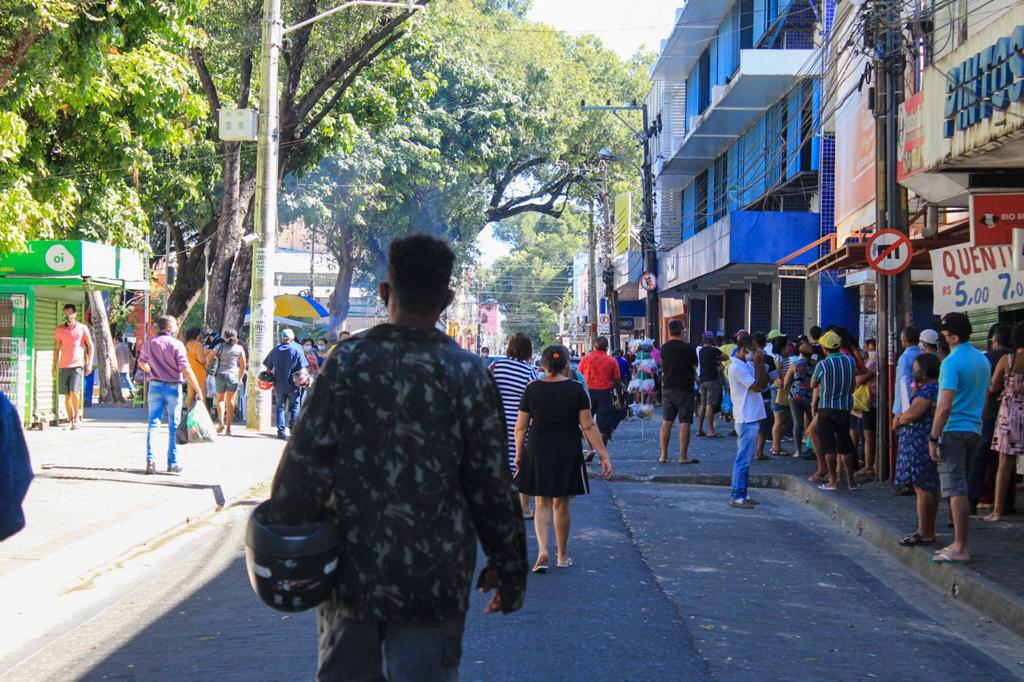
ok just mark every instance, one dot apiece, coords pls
pixel 764 76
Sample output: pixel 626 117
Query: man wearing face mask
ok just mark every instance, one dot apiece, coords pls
pixel 72 360
pixel 748 376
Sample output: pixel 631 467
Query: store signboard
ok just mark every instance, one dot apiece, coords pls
pixel 966 277
pixel 994 217
pixel 45 258
pixel 912 129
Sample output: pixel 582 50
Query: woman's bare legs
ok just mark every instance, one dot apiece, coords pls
pixel 542 526
pixel 524 502
pixel 562 521
pixel 1007 464
pixel 229 409
pixel 927 508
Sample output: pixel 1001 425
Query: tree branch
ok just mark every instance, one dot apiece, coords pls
pixel 308 129
pixel 9 62
pixel 295 58
pixel 245 80
pixel 342 65
pixel 207 81
pixel 554 191
pixel 510 175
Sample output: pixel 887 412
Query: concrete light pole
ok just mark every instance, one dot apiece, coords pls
pixel 261 302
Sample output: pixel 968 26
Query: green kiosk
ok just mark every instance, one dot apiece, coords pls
pixel 34 287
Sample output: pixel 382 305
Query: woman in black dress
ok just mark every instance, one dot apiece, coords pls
pixel 549 458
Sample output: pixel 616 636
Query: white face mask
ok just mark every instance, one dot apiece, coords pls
pixel 321 347
pixel 307 346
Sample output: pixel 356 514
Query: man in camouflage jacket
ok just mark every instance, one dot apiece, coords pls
pixel 402 441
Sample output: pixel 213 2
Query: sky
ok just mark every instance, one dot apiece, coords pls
pixel 623 25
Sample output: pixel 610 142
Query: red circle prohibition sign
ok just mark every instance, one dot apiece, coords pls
pixel 893 255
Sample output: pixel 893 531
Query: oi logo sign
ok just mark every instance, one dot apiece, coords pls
pixel 59 258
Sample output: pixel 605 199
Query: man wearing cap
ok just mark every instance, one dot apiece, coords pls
pixel 284 361
pixel 930 341
pixel 833 380
pixel 956 428
pixel 710 363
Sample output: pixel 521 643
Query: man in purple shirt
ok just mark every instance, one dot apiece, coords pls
pixel 164 361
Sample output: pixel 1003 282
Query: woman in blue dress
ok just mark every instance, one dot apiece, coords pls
pixel 915 467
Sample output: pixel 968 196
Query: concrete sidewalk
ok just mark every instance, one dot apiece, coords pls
pixel 992 584
pixel 91 501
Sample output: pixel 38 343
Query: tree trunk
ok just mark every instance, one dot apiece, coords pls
pixel 188 284
pixel 234 207
pixel 238 293
pixel 341 297
pixel 106 358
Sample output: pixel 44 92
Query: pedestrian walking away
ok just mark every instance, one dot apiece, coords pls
pixel 679 370
pixel 163 358
pixel 288 364
pixel 956 428
pixel 710 362
pixel 797 383
pixel 230 368
pixel 512 374
pixel 72 361
pixel 748 377
pixel 833 381
pixel 603 377
pixel 125 359
pixel 549 456
pixel 200 357
pixel 408 457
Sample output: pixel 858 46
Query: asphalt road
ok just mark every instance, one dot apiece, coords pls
pixel 669 584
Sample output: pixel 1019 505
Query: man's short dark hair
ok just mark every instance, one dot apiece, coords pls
pixel 420 271
pixel 912 334
pixel 71 306
pixel 675 327
pixel 760 339
pixel 485 349
pixel 745 343
pixel 958 324
pixel 601 343
pixel 1003 335
pixel 164 322
pixel 815 332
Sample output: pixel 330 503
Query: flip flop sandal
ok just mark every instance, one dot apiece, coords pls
pixel 691 461
pixel 527 517
pixel 717 435
pixel 943 558
pixel 540 569
pixel 915 539
pixel 565 565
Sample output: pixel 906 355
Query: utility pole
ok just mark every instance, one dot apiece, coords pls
pixel 647 234
pixel 592 277
pixel 611 295
pixel 261 302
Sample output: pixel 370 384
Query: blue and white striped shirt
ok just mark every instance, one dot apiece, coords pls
pixel 835 376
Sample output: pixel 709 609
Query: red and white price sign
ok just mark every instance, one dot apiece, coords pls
pixel 889 252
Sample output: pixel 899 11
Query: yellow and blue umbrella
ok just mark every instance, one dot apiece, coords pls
pixel 301 307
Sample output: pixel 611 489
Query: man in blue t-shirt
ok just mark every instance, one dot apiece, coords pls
pixel 956 428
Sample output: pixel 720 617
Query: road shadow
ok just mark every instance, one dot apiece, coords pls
pixel 164 480
pixel 220 631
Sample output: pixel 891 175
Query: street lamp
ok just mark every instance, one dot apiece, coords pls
pixel 261 302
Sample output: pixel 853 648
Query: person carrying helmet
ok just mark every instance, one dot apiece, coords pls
pixel 401 448
pixel 285 362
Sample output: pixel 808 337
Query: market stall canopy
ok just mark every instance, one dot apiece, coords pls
pixel 302 307
pixel 72 263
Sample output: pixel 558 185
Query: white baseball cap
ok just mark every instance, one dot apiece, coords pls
pixel 930 336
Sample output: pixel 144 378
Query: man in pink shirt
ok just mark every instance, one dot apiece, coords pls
pixel 72 360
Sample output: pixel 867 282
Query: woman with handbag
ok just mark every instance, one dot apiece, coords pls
pixel 228 375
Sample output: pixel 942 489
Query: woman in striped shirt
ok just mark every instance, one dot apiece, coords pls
pixel 512 373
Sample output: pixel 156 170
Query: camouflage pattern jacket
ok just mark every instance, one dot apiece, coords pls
pixel 402 440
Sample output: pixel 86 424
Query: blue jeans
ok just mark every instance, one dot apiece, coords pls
pixel 409 650
pixel 744 455
pixel 126 382
pixel 163 396
pixel 291 401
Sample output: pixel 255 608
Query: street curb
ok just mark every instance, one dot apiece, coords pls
pixel 957 581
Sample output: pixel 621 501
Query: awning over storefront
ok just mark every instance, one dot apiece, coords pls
pixel 67 263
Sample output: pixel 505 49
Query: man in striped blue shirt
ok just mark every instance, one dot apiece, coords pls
pixel 833 382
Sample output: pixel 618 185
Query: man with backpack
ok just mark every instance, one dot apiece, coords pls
pixel 288 364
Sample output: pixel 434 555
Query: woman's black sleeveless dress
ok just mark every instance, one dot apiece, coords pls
pixel 552 463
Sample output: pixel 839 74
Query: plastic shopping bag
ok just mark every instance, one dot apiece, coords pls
pixel 199 424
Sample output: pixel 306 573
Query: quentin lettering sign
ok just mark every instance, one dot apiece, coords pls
pixel 991 79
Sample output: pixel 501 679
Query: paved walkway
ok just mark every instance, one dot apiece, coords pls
pixel 998 567
pixel 91 501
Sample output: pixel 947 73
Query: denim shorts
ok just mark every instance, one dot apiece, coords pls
pixel 227 383
pixel 956 452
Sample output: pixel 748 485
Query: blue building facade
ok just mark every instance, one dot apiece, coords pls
pixel 737 95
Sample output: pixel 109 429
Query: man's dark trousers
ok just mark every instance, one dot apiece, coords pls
pixel 286 400
pixel 604 410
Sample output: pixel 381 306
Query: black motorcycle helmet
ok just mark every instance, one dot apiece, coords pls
pixel 291 568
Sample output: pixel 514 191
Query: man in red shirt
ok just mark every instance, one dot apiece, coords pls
pixel 602 374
